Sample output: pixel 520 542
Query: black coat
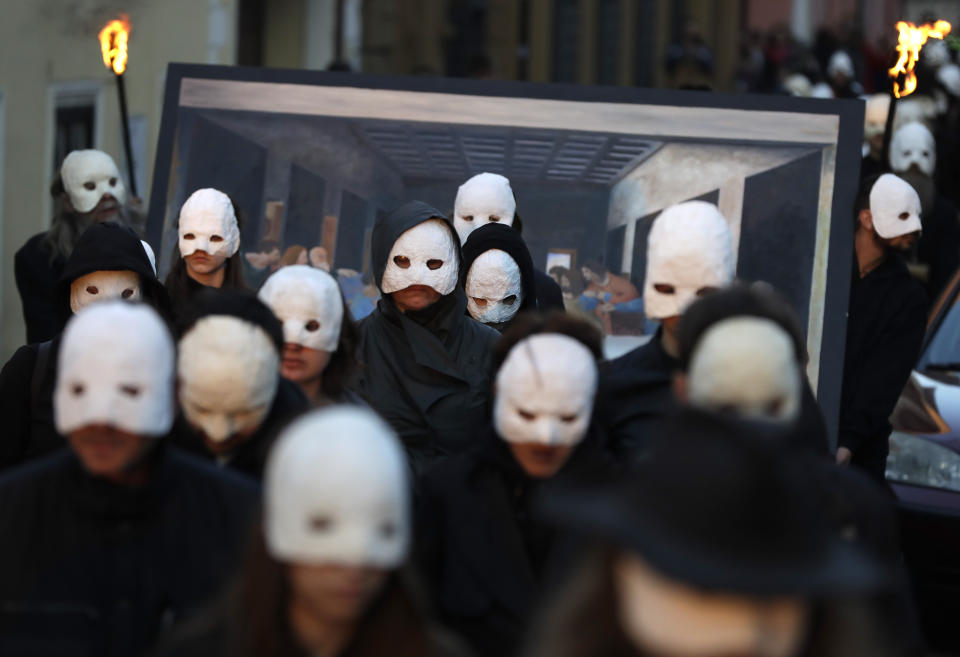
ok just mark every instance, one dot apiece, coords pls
pixel 426 372
pixel 885 330
pixel 634 394
pixel 88 567
pixel 504 238
pixel 36 272
pixel 250 456
pixel 26 404
pixel 549 294
pixel 485 556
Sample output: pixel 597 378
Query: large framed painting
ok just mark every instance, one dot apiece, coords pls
pixel 312 158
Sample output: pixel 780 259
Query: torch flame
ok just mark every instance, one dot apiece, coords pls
pixel 113 44
pixel 909 43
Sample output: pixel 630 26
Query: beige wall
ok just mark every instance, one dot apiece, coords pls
pixel 45 46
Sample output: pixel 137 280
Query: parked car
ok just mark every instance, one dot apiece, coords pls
pixel 924 471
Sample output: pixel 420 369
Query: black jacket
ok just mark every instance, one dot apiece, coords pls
pixel 36 272
pixel 885 330
pixel 634 394
pixel 549 294
pixel 88 567
pixel 504 238
pixel 250 456
pixel 26 404
pixel 485 556
pixel 426 372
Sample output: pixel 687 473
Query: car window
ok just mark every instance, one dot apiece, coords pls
pixel 944 347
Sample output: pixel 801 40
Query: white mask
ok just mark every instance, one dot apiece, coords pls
pixel 104 285
pixel 746 364
pixel 150 256
pixel 949 76
pixel 840 64
pixel 545 390
pixel 935 53
pixel 494 294
pixel 89 174
pixel 485 198
pixel 689 249
pixel 913 143
pixel 875 115
pixel 798 84
pixel 666 617
pixel 894 207
pixel 208 224
pixel 423 255
pixel 116 368
pixel 308 302
pixel 228 373
pixel 336 491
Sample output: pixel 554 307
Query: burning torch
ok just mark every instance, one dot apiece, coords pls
pixel 113 45
pixel 910 41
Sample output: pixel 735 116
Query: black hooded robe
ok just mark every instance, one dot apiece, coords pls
pixel 504 238
pixel 36 271
pixel 425 372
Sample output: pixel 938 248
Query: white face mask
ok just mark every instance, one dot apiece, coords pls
pixel 208 224
pixel 102 286
pixel 493 287
pixel 748 365
pixel 894 207
pixel 89 174
pixel 689 250
pixel 115 368
pixel 667 617
pixel 949 76
pixel 336 491
pixel 840 64
pixel 545 390
pixel 423 255
pixel 309 304
pixel 912 144
pixel 228 375
pixel 485 198
pixel 875 115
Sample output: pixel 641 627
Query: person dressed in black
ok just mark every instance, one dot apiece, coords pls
pixel 110 541
pixel 488 198
pixel 886 321
pixel 208 249
pixel 232 397
pixel 485 557
pixel 689 254
pixel 425 360
pixel 108 262
pixel 87 190
pixel 325 574
pixel 498 276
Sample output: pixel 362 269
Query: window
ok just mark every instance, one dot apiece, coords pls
pixel 608 42
pixel 566 37
pixel 75 119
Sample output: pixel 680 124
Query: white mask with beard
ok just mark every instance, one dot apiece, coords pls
pixel 913 144
pixel 89 174
pixel 115 367
pixel 423 255
pixel 545 391
pixel 208 224
pixel 228 375
pixel 308 302
pixel 102 286
pixel 689 250
pixel 336 492
pixel 894 207
pixel 747 365
pixel 485 198
pixel 494 293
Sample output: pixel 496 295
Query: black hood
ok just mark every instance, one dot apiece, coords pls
pixel 111 247
pixel 388 229
pixel 508 240
pixel 233 303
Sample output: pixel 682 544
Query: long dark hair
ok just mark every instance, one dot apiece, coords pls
pixel 178 280
pixel 65 227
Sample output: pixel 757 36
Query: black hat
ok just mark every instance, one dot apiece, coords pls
pixel 388 228
pixel 720 507
pixel 241 304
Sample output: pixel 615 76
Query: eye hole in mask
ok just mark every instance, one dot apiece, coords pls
pixel 664 288
pixel 512 299
pixel 775 406
pixel 92 289
pixel 188 236
pixel 526 415
pixel 403 262
pixel 568 419
pixel 216 238
pixel 113 182
pixel 89 186
pixel 126 294
pixel 907 153
pixel 434 264
pixel 480 302
pixel 130 390
pixel 704 291
pixel 78 389
pixel 926 153
pixel 388 529
pixel 903 216
pixel 313 325
pixel 468 217
pixel 494 217
pixel 321 523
